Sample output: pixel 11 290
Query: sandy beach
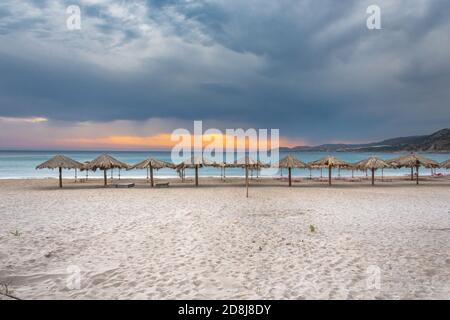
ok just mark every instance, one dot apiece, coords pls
pixel 350 241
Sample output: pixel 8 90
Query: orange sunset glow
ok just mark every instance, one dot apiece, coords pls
pixel 166 141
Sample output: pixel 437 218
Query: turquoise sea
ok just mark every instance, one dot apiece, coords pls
pixel 21 164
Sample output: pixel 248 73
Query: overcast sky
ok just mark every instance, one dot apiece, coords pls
pixel 143 68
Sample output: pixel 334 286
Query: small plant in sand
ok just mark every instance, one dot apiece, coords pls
pixel 15 233
pixel 312 228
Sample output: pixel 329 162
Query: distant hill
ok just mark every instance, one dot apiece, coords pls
pixel 436 142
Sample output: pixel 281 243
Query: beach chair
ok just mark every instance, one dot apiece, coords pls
pixel 162 185
pixel 124 185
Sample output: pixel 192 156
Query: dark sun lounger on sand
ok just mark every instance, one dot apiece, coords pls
pixel 162 185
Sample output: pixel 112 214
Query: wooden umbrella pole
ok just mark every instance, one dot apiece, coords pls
pixel 246 179
pixel 373 176
pixel 75 175
pixel 290 178
pixel 151 176
pixel 60 177
pixel 329 175
pixel 119 173
pixel 105 178
pixel 412 173
pixel 196 175
pixel 417 173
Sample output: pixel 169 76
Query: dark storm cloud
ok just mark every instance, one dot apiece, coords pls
pixel 310 68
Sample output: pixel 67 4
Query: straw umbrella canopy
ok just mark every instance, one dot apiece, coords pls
pixel 394 163
pixel 413 161
pixel 249 162
pixel 445 164
pixel 194 162
pixel 291 162
pixel 60 162
pixel 372 164
pixel 105 162
pixel 330 163
pixel 152 163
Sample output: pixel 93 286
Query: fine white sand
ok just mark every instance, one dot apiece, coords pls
pixel 391 241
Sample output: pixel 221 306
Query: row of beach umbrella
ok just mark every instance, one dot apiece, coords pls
pixel 106 162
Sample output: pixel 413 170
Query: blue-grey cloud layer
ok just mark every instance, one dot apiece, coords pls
pixel 308 67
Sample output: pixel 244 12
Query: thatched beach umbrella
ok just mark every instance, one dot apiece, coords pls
pixel 372 164
pixel 445 164
pixel 60 162
pixel 194 162
pixel 291 162
pixel 152 163
pixel 105 162
pixel 257 167
pixel 330 163
pixel 394 163
pixel 413 161
pixel 222 166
